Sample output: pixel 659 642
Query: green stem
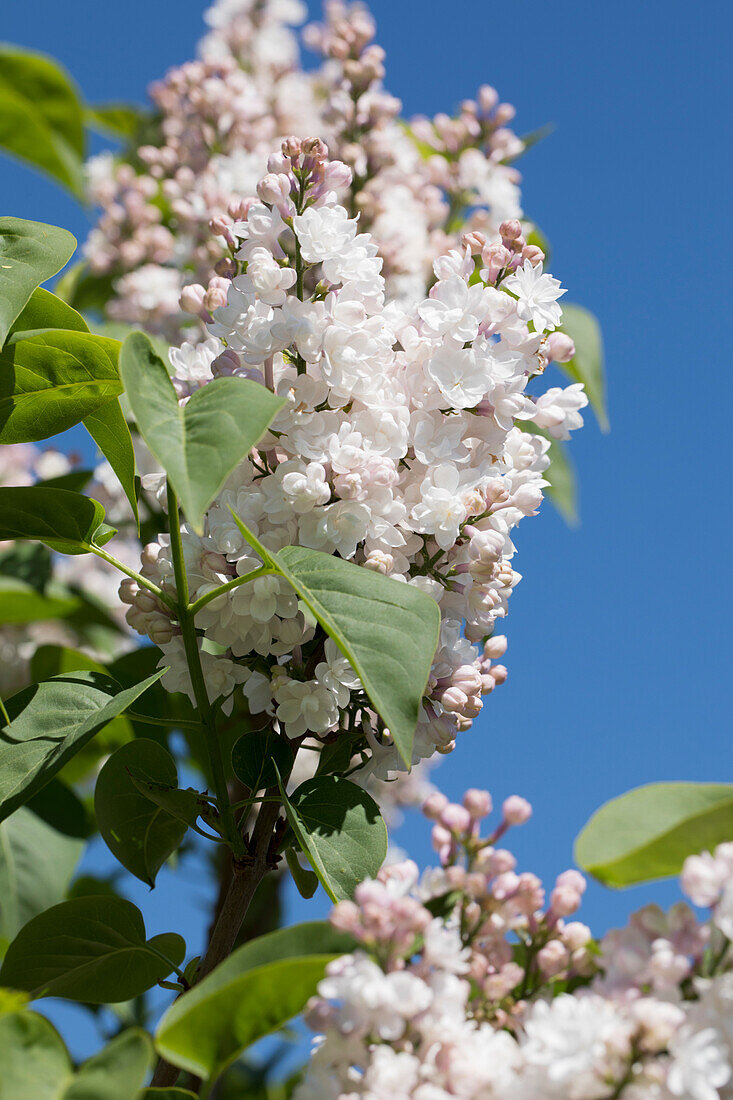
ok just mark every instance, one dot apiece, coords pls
pixel 5 714
pixel 142 581
pixel 176 969
pixel 193 659
pixel 195 607
pixel 176 723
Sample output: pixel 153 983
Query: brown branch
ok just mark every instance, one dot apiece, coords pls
pixel 247 874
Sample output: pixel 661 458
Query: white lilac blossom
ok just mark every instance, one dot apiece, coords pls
pixel 169 206
pixel 467 984
pixel 403 447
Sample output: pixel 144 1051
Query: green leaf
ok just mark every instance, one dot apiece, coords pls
pixel 341 831
pixel 35 1064
pixel 27 562
pixel 251 994
pixel 183 804
pixel 121 120
pixel 254 757
pixel 52 660
pixel 50 722
pixel 45 310
pixel 21 603
pixel 65 521
pixel 85 290
pixel 108 428
pixel 116 1072
pixel 386 629
pixel 200 444
pixel 167 1094
pixel 562 490
pixel 91 949
pixel 41 117
pixel 33 1058
pixel 50 380
pixel 305 881
pixel 587 364
pixel 140 834
pixel 30 253
pixel 648 833
pixel 61 808
pixel 36 865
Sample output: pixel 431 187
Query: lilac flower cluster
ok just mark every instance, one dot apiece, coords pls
pixel 402 447
pixel 416 188
pixel 469 984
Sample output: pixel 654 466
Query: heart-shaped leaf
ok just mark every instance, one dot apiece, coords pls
pixel 586 366
pixel 52 379
pixel 199 444
pixel 46 310
pixel 252 993
pixel 388 630
pixel 340 830
pixel 36 865
pixel 65 521
pixel 108 428
pixel 52 721
pixel 35 1064
pixel 30 253
pixel 255 755
pixel 139 833
pixel 648 833
pixel 116 1072
pixel 91 949
pixel 33 1057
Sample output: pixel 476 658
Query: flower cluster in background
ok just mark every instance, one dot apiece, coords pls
pixel 470 983
pixel 416 188
pixel 402 447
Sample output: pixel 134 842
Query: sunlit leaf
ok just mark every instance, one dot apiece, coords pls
pixel 30 253
pixel 91 949
pixel 648 833
pixel 388 630
pixel 50 722
pixel 41 116
pixel 200 444
pixel 249 995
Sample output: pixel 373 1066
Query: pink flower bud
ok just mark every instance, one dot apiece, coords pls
pixel 533 253
pixel 226 267
pixel 456 818
pixel 495 647
pixel 575 935
pixel 573 880
pixel 291 147
pixel 434 805
pixel 192 298
pixel 478 803
pixel 488 98
pixel 274 189
pixel 475 242
pixel 552 958
pixel 337 175
pixel 559 348
pixel 516 810
pixel 499 673
pixel 314 149
pixel 502 860
pixel 505 885
pixel 510 230
pixel 455 877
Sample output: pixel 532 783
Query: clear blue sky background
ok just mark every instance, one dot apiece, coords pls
pixel 619 652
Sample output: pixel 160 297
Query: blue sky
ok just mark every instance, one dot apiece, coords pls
pixel 619 634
